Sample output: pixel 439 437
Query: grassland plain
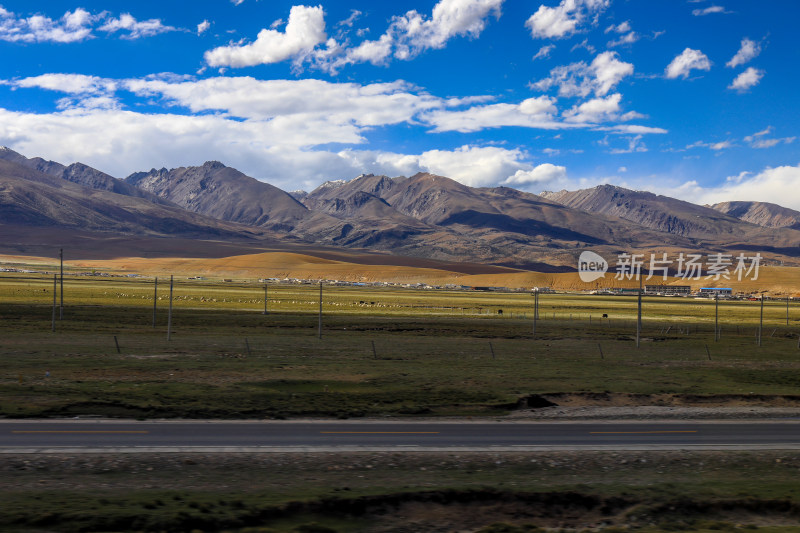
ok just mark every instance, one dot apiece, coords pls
pixel 512 492
pixel 382 351
pixel 772 277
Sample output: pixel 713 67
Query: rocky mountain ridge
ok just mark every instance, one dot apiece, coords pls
pixel 761 213
pixel 423 216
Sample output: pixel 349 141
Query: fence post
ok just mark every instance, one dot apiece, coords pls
pixel 639 314
pixel 155 300
pixel 55 289
pixel 61 313
pixel 320 309
pixel 169 316
pixel 761 320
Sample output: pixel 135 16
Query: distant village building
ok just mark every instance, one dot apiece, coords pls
pixel 668 290
pixel 718 291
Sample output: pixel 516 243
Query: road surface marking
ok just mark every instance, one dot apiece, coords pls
pixel 83 432
pixel 382 432
pixel 636 432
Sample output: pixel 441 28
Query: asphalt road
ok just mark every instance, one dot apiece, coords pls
pixel 134 436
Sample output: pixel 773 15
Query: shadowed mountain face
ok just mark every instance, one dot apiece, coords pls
pixel 488 214
pixel 224 193
pixel 660 213
pixel 424 216
pixel 761 213
pixel 80 174
pixel 29 197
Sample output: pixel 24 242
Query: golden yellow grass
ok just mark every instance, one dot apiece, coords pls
pixel 775 280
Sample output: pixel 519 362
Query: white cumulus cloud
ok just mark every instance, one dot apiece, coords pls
pixel 67 83
pixel 748 50
pixel 450 18
pixel 73 26
pixel 562 20
pixel 685 62
pixel 203 27
pixel 708 11
pixel 275 130
pixel 716 146
pixel 310 101
pixel 770 185
pixel 135 29
pixel 760 139
pixel 622 27
pixel 476 166
pixel 540 175
pixel 532 113
pixel 579 79
pixel 544 51
pixel 304 30
pixel 596 110
pixel 635 144
pixel 412 33
pixel 747 79
pixel 375 52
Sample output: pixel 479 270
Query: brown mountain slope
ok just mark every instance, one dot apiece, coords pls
pixel 761 213
pixel 31 198
pixel 706 228
pixel 361 199
pixel 224 193
pixel 80 174
pixel 494 214
pixel 661 213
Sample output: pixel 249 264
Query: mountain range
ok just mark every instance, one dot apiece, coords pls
pixel 423 216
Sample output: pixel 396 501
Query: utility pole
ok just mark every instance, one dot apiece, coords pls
pixel 61 312
pixel 787 309
pixel 716 316
pixel 535 310
pixel 265 297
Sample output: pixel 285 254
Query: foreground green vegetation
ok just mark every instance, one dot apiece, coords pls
pixel 382 351
pixel 567 491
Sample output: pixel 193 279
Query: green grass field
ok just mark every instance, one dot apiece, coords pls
pixel 557 492
pixel 382 351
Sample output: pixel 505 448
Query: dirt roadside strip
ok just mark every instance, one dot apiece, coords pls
pixel 555 414
pixel 655 413
pixel 551 415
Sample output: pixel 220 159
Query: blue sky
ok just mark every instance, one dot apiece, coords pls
pixel 695 99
